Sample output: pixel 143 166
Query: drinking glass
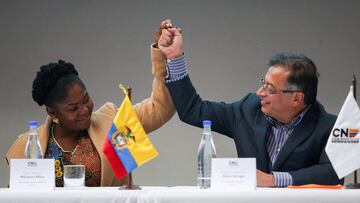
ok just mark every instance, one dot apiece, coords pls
pixel 74 175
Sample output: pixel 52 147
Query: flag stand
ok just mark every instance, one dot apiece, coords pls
pixel 130 185
pixel 354 185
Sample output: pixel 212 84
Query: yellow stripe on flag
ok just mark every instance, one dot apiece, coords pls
pixel 138 144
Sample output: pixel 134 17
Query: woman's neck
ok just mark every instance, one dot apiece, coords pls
pixel 65 138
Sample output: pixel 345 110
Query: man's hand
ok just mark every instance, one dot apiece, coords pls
pixel 264 179
pixel 164 25
pixel 171 42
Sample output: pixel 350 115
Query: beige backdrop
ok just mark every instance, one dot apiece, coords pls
pixel 226 43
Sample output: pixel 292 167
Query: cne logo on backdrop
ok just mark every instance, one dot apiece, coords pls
pixel 345 135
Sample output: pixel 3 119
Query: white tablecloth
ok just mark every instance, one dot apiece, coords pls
pixel 83 195
pixel 180 194
pixel 268 195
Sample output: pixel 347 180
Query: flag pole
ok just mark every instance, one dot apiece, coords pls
pixel 354 185
pixel 354 85
pixel 130 185
pixel 354 93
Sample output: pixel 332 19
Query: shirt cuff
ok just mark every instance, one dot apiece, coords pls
pixel 282 179
pixel 176 69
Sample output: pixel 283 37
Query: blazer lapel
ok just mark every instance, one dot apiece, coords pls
pixel 261 125
pixel 44 133
pixel 300 133
pixel 101 121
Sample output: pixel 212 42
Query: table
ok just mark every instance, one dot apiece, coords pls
pixel 268 195
pixel 64 195
pixel 180 194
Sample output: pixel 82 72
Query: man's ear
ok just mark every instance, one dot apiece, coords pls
pixel 298 98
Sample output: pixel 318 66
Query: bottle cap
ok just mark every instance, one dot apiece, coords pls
pixel 206 123
pixel 33 123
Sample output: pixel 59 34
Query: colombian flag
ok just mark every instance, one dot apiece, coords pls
pixel 127 145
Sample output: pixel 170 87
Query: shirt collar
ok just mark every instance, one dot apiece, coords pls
pixel 294 122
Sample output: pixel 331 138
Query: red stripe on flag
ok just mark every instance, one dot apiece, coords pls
pixel 114 160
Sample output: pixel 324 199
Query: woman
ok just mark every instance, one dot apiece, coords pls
pixel 73 134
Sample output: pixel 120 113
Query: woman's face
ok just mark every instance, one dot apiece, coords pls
pixel 74 112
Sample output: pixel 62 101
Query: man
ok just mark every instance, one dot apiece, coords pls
pixel 282 125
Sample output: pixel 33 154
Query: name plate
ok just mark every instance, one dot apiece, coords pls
pixel 233 173
pixel 32 174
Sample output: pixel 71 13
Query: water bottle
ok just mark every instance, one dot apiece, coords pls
pixel 33 148
pixel 205 154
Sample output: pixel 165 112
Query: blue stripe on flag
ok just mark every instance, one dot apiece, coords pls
pixel 112 130
pixel 124 154
pixel 126 159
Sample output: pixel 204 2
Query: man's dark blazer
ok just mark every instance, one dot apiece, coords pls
pixel 303 154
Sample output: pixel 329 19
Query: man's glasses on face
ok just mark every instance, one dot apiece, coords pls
pixel 268 90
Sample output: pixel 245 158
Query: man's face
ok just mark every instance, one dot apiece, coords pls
pixel 277 105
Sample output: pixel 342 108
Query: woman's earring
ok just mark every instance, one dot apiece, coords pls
pixel 55 120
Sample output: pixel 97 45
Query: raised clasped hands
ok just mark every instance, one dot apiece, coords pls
pixel 164 25
pixel 171 42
